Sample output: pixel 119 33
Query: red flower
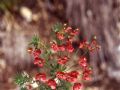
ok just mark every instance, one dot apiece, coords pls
pixel 41 77
pixel 83 61
pixel 30 50
pixel 61 48
pixel 60 36
pixel 69 47
pixel 70 39
pixel 52 84
pixel 77 86
pixel 71 78
pixel 86 74
pixel 62 60
pixel 81 45
pixel 36 53
pixel 61 75
pixel 86 77
pixel 55 47
pixel 74 32
pixel 39 61
pixel 84 44
pixel 74 74
pixel 93 45
pixel 68 29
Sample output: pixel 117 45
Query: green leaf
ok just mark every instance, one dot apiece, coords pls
pixel 44 87
pixel 9 4
pixel 63 68
pixel 20 79
pixel 57 27
pixel 35 41
pixel 23 88
pixel 64 85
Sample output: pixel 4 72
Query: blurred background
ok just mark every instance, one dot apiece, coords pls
pixel 21 19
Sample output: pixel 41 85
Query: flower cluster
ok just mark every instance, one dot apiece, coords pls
pixel 54 56
pixel 70 77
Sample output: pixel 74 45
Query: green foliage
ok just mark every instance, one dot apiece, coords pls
pixel 20 79
pixel 46 54
pixel 44 87
pixel 35 41
pixel 23 88
pixel 57 27
pixel 64 85
pixel 54 68
pixel 9 4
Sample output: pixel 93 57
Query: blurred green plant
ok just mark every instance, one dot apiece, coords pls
pixel 20 79
pixel 6 5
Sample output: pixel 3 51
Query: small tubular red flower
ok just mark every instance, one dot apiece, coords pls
pixel 41 77
pixel 39 61
pixel 52 84
pixel 93 45
pixel 74 32
pixel 55 47
pixel 86 74
pixel 60 36
pixel 36 53
pixel 61 75
pixel 61 47
pixel 77 86
pixel 69 47
pixel 74 74
pixel 71 79
pixel 83 61
pixel 62 60
pixel 84 44
pixel 68 29
pixel 86 77
pixel 81 45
